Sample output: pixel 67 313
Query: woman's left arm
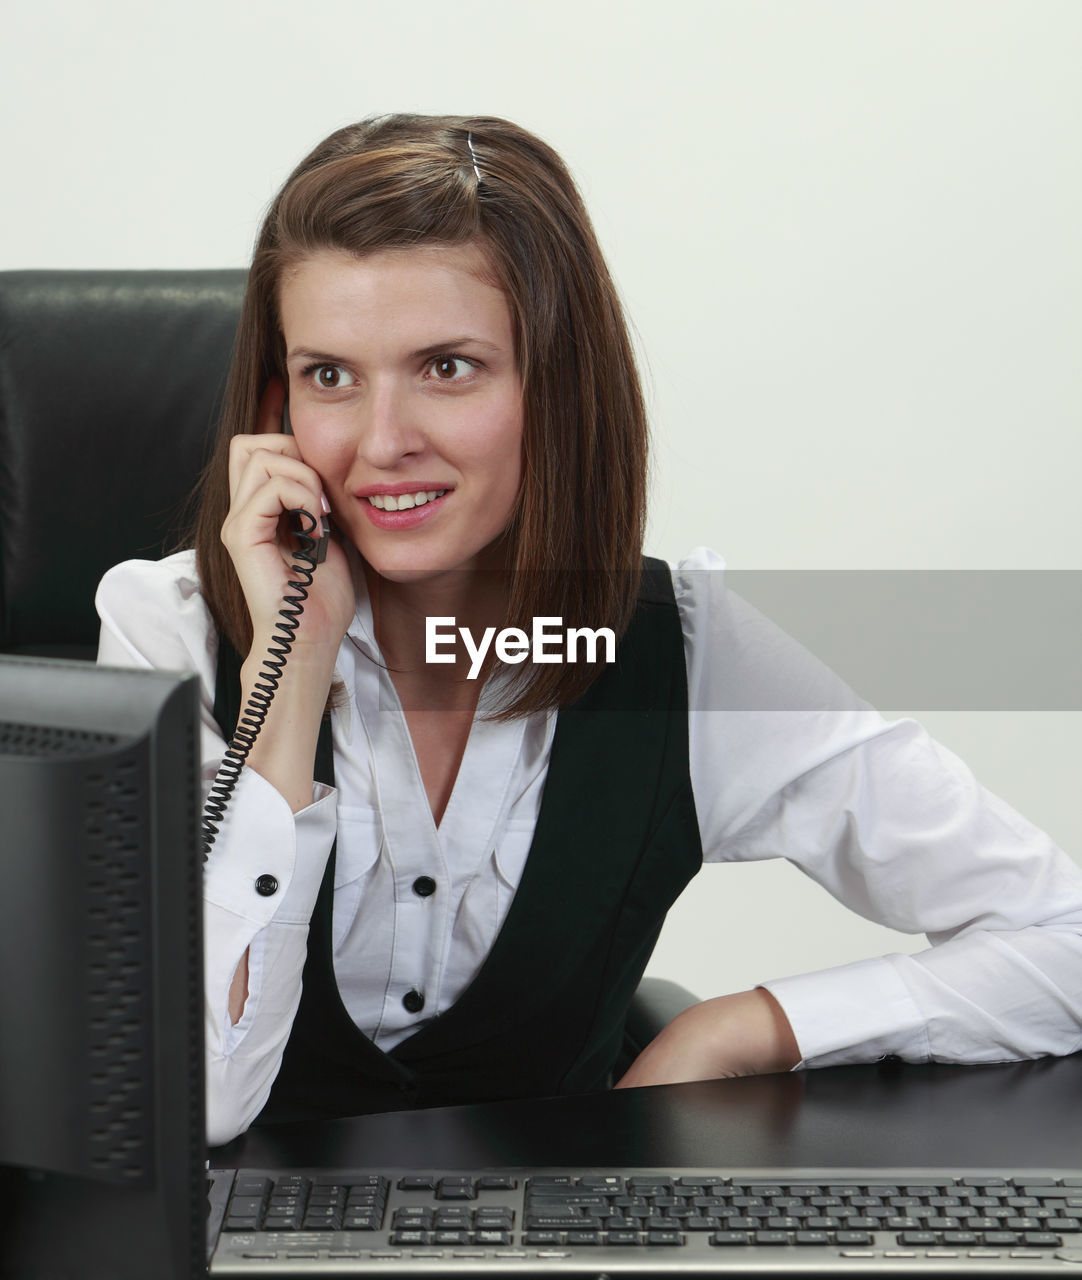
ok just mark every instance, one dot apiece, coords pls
pixel 787 762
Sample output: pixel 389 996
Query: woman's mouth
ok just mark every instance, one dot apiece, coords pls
pixel 403 510
pixel 404 501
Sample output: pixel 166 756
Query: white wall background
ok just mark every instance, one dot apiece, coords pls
pixel 847 232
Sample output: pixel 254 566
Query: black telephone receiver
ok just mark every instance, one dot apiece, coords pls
pixel 313 538
pixel 301 523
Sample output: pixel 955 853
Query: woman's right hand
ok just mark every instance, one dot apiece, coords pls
pixel 268 478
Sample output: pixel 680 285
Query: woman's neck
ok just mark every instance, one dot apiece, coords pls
pixel 474 598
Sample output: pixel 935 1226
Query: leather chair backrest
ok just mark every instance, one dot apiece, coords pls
pixel 110 387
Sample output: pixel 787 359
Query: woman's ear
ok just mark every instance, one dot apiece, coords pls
pixel 273 415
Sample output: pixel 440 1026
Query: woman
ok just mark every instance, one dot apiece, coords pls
pixel 429 300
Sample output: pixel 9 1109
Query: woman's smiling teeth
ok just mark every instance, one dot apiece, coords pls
pixel 404 501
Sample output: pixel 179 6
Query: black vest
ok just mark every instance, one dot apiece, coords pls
pixel 616 841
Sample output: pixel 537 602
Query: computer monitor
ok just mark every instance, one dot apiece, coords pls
pixel 101 1044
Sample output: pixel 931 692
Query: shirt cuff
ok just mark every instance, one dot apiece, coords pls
pixel 267 863
pixel 857 1012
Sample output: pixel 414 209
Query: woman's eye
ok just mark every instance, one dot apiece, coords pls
pixel 331 376
pixel 451 368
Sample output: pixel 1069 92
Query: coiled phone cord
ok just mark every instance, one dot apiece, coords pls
pixel 310 552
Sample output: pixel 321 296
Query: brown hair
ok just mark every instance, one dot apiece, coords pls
pixel 575 538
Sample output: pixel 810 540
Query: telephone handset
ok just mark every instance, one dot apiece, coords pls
pixel 297 518
pixel 312 537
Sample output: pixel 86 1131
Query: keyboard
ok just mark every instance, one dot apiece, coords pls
pixel 623 1222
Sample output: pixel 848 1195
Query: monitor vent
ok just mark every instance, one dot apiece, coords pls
pixel 119 1023
pixel 43 740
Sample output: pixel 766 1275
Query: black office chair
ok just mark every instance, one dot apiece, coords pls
pixel 110 385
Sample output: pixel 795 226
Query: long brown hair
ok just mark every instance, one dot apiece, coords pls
pixel 575 538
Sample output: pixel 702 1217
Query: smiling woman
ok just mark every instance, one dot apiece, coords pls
pixel 421 400
pixel 382 223
pixel 432 887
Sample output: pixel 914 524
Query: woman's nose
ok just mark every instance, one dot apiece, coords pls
pixel 387 430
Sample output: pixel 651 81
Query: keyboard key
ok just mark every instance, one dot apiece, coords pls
pixel 643 1187
pixel 451 1237
pixel 624 1237
pixel 664 1237
pixel 497 1182
pixel 456 1189
pixel 493 1237
pixel 251 1187
pixel 417 1182
pixel 731 1237
pixel 917 1238
pixel 245 1206
pixel 419 1216
pixel 811 1237
pixel 361 1221
pixel 602 1182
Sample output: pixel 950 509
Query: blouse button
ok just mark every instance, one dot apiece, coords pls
pixel 413 1002
pixel 266 886
pixel 424 886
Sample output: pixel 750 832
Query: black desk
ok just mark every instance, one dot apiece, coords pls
pixel 1018 1114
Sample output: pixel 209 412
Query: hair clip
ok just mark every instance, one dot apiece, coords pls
pixel 473 155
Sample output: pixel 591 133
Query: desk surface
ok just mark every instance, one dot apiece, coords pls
pixel 1025 1114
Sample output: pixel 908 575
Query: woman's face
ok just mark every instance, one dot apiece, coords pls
pixel 405 397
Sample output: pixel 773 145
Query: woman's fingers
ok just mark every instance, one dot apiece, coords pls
pixel 256 456
pixel 256 460
pixel 255 512
pixel 267 478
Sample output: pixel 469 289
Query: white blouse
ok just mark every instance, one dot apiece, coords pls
pixel 785 762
